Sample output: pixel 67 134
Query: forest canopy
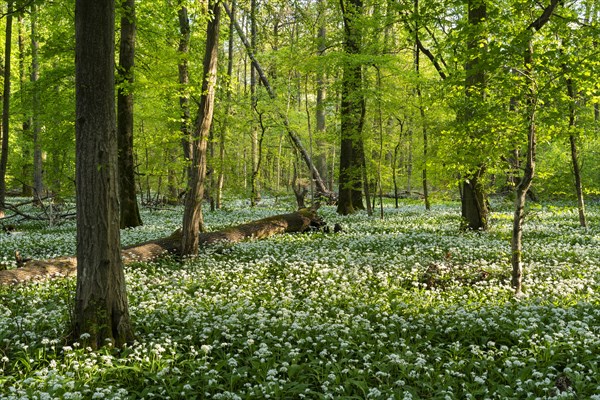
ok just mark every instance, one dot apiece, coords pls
pixel 440 93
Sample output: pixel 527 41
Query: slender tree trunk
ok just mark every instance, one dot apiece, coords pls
pixel 38 177
pixel 130 213
pixel 27 170
pixel 184 81
pixel 225 127
pixel 255 193
pixel 574 153
pixel 528 174
pixel 193 221
pixel 529 171
pixel 101 310
pixel 5 107
pixel 417 53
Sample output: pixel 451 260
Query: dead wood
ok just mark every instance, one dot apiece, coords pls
pixel 299 221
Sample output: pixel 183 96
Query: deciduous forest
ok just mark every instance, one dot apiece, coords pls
pixel 387 199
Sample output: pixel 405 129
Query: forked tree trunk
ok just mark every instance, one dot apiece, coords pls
pixel 193 221
pixel 130 213
pixel 101 300
pixel 299 221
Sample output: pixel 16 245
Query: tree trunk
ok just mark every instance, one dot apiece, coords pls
pixel 351 114
pixel 228 101
pixel 130 213
pixel 474 200
pixel 299 221
pixel 574 153
pixel 254 156
pixel 101 300
pixel 321 128
pixel 184 81
pixel 417 52
pixel 27 170
pixel 38 177
pixel 5 107
pixel 529 172
pixel 193 221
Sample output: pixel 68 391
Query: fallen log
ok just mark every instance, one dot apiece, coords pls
pixel 299 221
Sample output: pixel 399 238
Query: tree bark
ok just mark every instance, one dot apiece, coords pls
pixel 473 199
pixel 130 213
pixel 101 309
pixel 184 95
pixel 352 114
pixel 255 151
pixel 225 126
pixel 529 172
pixel 5 107
pixel 574 153
pixel 193 221
pixel 299 221
pixel 26 170
pixel 38 171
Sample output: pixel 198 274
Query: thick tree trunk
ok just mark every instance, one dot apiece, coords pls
pixel 193 221
pixel 130 213
pixel 474 200
pixel 321 158
pixel 474 203
pixel 299 221
pixel 5 107
pixel 352 114
pixel 101 300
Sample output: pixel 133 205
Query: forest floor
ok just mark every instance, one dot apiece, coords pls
pixel 400 308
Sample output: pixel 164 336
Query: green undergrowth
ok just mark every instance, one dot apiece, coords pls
pixel 400 308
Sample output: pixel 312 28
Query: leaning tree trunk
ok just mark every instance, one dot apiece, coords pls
pixel 130 213
pixel 193 221
pixel 101 310
pixel 299 221
pixel 321 187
